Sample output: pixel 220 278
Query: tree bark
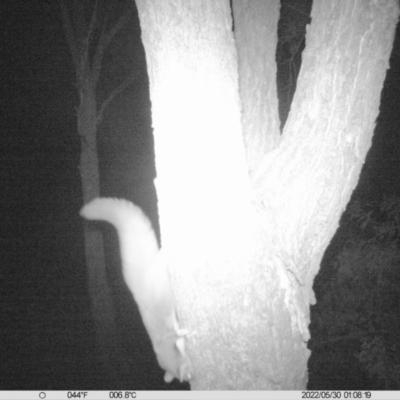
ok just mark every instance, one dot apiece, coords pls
pixel 256 36
pixel 243 256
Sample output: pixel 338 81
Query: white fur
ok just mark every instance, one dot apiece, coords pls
pixel 147 278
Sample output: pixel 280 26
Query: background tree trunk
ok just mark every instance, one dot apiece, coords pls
pixel 80 36
pixel 99 290
pixel 243 259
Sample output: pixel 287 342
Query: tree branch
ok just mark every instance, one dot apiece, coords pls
pixel 69 34
pixel 78 44
pixel 113 94
pixel 104 41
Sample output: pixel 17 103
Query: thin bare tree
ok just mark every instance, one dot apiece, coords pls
pixel 88 40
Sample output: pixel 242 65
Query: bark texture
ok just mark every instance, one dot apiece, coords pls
pixel 242 258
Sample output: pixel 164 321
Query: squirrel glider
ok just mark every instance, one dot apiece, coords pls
pixel 147 278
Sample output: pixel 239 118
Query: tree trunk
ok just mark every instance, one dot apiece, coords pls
pixel 256 36
pixel 243 256
pixel 88 63
pixel 101 302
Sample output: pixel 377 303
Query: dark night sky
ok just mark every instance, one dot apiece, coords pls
pixel 46 334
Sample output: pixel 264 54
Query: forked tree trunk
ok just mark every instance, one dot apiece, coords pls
pixel 243 249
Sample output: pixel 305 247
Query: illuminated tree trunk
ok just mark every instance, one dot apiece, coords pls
pixel 243 248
